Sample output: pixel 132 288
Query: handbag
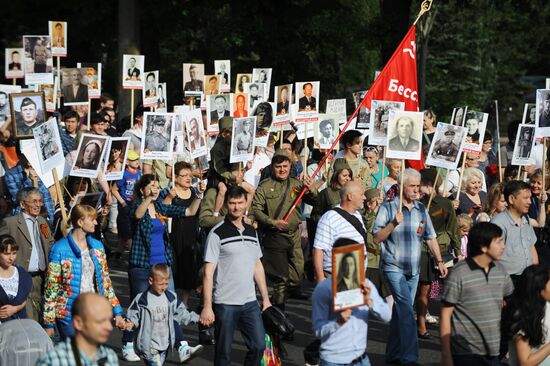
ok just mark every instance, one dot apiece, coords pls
pixel 276 323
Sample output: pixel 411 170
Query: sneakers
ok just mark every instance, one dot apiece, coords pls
pixel 128 353
pixel 186 352
pixel 430 319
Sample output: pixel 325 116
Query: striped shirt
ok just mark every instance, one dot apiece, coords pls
pixel 477 300
pixel 402 249
pixel 235 252
pixel 331 227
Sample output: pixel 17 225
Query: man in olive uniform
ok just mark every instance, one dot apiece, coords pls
pixel 158 140
pixel 283 257
pixel 443 217
pixel 220 168
pixel 446 148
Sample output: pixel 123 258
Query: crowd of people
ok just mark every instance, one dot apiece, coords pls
pixel 476 243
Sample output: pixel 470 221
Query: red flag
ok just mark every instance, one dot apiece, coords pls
pixel 398 82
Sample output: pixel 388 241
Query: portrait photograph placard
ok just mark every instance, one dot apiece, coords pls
pixel 301 129
pixel 48 145
pixel 133 67
pixel 150 88
pixel 28 111
pixel 28 148
pixel 543 112
pixel 458 116
pixel 222 68
pixel 115 158
pixel 326 131
pixel 50 94
pixel 92 78
pixel 5 91
pixel 211 85
pixel 262 75
pixel 337 108
pixel 89 156
pixel 529 114
pixel 13 67
pixel 379 116
pixel 524 146
pixel 475 123
pixel 242 142
pixel 241 105
pixel 193 75
pixel 38 60
pixel 217 107
pixel 196 136
pixel 307 94
pixel 92 199
pixel 447 145
pixel 256 92
pixel 347 276
pixel 162 103
pixel 75 90
pixel 404 135
pixel 362 121
pixel 283 98
pixel 58 34
pixel 241 80
pixel 264 121
pixel 158 136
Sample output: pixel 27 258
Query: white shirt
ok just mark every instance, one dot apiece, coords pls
pixel 88 272
pixel 331 227
pixel 11 284
pixel 37 261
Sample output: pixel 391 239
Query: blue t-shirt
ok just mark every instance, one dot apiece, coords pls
pixel 157 243
pixel 127 183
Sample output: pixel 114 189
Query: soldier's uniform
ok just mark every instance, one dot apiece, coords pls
pixel 446 149
pixel 283 257
pixel 207 220
pixel 220 168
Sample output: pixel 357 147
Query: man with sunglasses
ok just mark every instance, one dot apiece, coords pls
pixel 32 232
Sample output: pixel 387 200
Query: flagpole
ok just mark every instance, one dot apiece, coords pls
pixel 425 7
pixel 498 143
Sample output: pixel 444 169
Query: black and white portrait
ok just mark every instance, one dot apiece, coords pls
pixel 28 111
pixel 38 60
pixel 196 137
pixel 363 117
pixel 132 71
pixel 264 119
pixel 75 88
pixel 48 145
pixel 475 123
pixel 162 104
pixel 242 142
pixel 543 112
pixel 158 136
pixel 379 118
pixel 89 155
pixel 5 91
pixel 327 130
pixel 529 114
pixel 263 76
pixel 283 97
pixel 446 146
pixel 92 78
pixel 347 276
pixel 222 68
pixel 459 113
pixel 13 63
pixel 217 107
pixel 523 148
pixel 308 97
pixel 241 80
pixel 404 134
pixel 150 88
pixel 256 92
pixel 193 75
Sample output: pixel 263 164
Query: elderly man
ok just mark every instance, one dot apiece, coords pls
pixel 403 141
pixel 344 221
pixel 92 315
pixel 308 101
pixel 219 110
pixel 75 91
pixel 32 233
pixel 402 226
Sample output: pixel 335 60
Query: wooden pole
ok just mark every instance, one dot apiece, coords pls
pixel 59 81
pixel 89 114
pixel 401 184
pixel 433 188
pixel 498 143
pixel 382 179
pixel 132 109
pixel 519 172
pixel 14 81
pixel 543 165
pixel 446 181
pixel 460 176
pixel 304 164
pixel 281 134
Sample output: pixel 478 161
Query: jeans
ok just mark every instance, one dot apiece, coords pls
pixel 403 338
pixel 364 362
pixel 139 282
pixel 157 359
pixel 248 319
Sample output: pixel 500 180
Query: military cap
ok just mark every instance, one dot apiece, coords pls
pixel 340 164
pixel 225 123
pixel 281 152
pixel 372 193
pixel 27 101
pixel 450 132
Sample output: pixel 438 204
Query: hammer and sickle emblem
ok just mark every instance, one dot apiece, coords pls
pixel 411 50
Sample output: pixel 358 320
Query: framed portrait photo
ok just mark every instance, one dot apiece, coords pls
pixel 89 156
pixel 13 63
pixel 28 111
pixel 158 135
pixel 347 276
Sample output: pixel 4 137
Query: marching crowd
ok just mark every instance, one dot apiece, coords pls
pixel 477 243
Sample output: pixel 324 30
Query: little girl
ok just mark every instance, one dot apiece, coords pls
pixel 15 282
pixel 465 224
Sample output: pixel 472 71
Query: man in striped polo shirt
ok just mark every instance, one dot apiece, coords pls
pixel 472 301
pixel 232 266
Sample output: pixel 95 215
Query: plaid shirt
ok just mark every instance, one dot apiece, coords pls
pixel 140 253
pixel 62 355
pixel 67 141
pixel 401 251
pixel 15 180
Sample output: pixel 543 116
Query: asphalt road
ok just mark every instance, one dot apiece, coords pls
pixel 299 313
